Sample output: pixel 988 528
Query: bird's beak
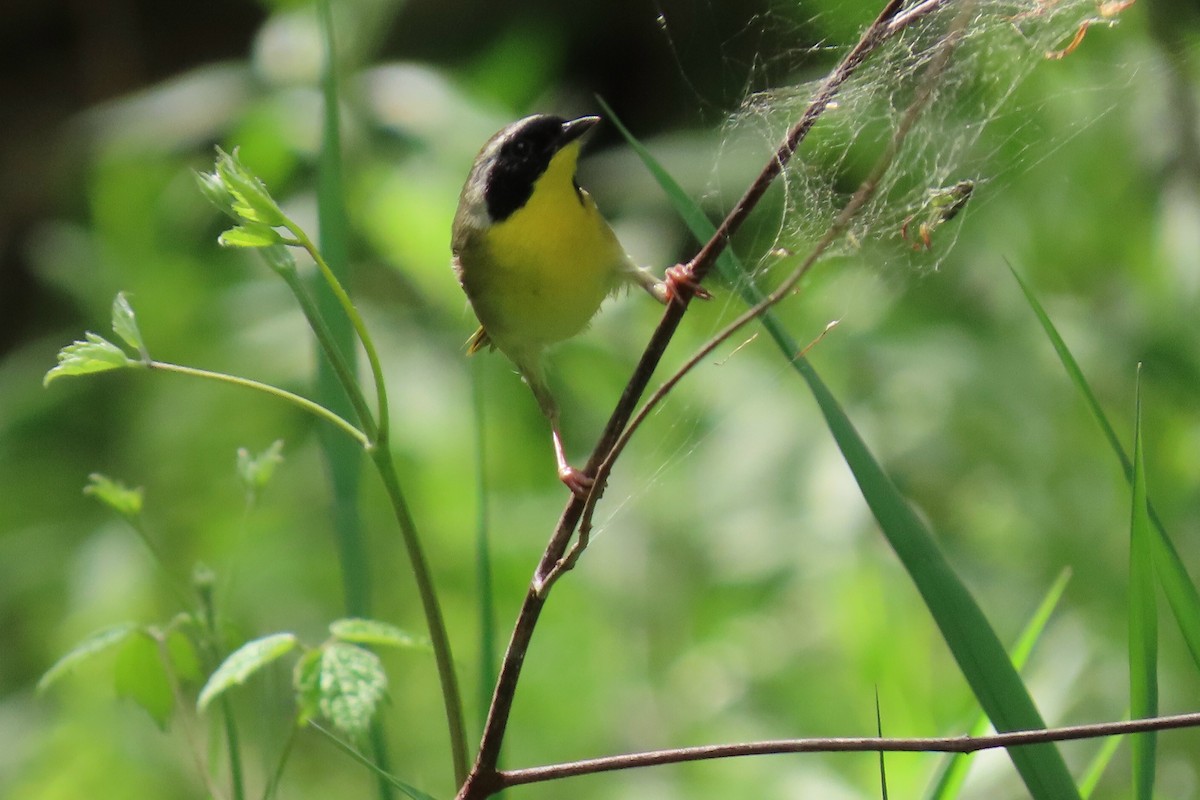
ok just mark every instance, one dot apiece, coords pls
pixel 573 129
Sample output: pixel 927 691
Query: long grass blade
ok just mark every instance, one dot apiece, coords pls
pixel 955 772
pixel 963 625
pixel 343 456
pixel 1097 766
pixel 1143 618
pixel 1172 576
pixel 483 551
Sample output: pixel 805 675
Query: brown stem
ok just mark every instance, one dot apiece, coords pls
pixel 484 778
pixel 866 744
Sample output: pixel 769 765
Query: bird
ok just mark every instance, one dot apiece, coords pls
pixel 536 258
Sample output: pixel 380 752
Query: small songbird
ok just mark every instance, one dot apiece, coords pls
pixel 536 258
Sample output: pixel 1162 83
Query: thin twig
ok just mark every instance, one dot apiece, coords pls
pixel 866 744
pixel 483 778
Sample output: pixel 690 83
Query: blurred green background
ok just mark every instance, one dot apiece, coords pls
pixel 738 587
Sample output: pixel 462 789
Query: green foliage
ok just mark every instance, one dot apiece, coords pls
pixel 141 676
pixel 89 647
pixel 257 471
pixel 93 354
pixel 97 354
pixel 124 323
pixel 244 662
pixel 955 774
pixel 763 600
pixel 115 495
pixel 342 683
pixel 1143 620
pixel 374 632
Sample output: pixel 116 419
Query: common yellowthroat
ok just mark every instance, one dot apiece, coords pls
pixel 536 258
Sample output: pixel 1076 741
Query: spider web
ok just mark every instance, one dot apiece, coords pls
pixel 999 43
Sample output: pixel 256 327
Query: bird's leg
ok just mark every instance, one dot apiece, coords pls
pixel 579 483
pixel 668 289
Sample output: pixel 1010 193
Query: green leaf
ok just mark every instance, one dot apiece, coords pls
pixel 184 660
pixel 141 676
pixel 351 684
pixel 244 662
pixel 213 189
pixel 96 354
pixel 306 678
pixel 963 625
pixel 1143 618
pixel 1099 763
pixel 93 644
pixel 124 323
pixel 371 631
pixel 1178 587
pixel 251 200
pixel 249 234
pixel 256 471
pixel 955 773
pixel 114 494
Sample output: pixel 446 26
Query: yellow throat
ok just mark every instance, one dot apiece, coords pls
pixel 550 264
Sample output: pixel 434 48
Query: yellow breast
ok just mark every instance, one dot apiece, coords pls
pixel 545 269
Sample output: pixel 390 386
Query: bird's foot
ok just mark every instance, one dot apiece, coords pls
pixel 579 484
pixel 676 279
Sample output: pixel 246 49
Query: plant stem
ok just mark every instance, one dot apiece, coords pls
pixel 333 353
pixel 356 320
pixel 438 637
pixel 232 740
pixel 938 744
pixel 301 402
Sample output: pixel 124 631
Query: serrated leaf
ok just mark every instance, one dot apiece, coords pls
pixel 249 234
pixel 351 684
pixel 141 676
pixel 114 494
pixel 95 354
pixel 244 662
pixel 251 200
pixel 92 645
pixel 124 323
pixel 256 471
pixel 372 631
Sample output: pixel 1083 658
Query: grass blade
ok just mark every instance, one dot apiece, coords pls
pixel 1172 576
pixel 343 456
pixel 1143 618
pixel 883 792
pixel 1098 764
pixel 963 625
pixel 955 772
pixel 483 551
